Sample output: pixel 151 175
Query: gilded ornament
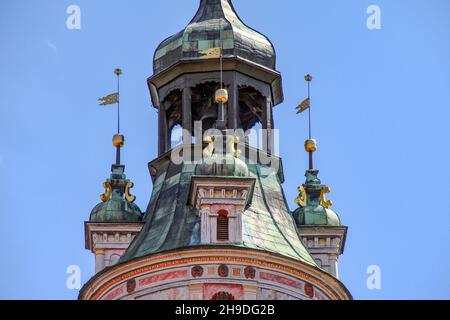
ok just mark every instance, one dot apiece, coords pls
pixel 221 96
pixel 326 203
pixel 130 198
pixel 209 149
pixel 108 192
pixel 301 199
pixel 310 145
pixel 118 140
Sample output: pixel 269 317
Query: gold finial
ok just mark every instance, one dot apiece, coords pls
pixel 310 145
pixel 308 77
pixel 221 96
pixel 118 72
pixel 118 140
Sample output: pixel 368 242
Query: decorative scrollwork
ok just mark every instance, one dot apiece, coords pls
pixel 130 198
pixel 209 149
pixel 233 143
pixel 108 192
pixel 326 203
pixel 301 199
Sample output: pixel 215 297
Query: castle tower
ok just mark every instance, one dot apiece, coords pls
pixel 115 221
pixel 319 226
pixel 217 226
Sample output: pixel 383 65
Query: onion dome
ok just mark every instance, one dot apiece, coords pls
pixel 220 163
pixel 215 25
pixel 314 209
pixel 222 166
pixel 118 204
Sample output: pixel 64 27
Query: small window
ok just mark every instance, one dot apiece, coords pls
pixel 222 226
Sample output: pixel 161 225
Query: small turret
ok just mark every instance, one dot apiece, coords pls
pixel 117 202
pixel 318 225
pixel 115 221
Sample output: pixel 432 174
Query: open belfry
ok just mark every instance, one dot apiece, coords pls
pixel 217 225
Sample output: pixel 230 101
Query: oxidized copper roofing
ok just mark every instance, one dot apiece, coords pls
pixel 170 223
pixel 216 24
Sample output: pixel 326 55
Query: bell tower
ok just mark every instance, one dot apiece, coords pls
pixel 216 51
pixel 217 226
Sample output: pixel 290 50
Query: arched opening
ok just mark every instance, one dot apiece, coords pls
pixel 222 296
pixel 172 124
pixel 176 135
pixel 251 107
pixel 222 226
pixel 204 107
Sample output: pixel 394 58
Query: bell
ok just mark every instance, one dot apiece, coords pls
pixel 221 96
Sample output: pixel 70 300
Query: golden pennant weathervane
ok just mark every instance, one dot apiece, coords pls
pixel 305 105
pixel 112 98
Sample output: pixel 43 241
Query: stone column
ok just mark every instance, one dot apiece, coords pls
pixel 162 129
pixel 205 236
pixel 267 126
pixel 333 260
pixel 99 260
pixel 187 116
pixel 239 229
pixel 233 105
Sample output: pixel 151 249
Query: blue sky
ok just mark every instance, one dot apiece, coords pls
pixel 381 116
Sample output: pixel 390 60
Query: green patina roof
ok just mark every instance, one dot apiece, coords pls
pixel 170 223
pixel 315 213
pixel 227 165
pixel 116 208
pixel 216 24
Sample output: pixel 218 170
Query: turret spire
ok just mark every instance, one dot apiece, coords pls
pixel 117 201
pixel 314 207
pixel 118 140
pixel 310 144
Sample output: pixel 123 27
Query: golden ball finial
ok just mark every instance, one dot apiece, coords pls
pixel 118 140
pixel 118 72
pixel 222 96
pixel 310 145
pixel 308 77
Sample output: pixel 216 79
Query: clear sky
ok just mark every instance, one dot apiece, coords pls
pixel 381 117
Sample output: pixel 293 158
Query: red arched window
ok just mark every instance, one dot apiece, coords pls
pixel 222 296
pixel 222 226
